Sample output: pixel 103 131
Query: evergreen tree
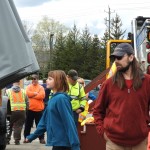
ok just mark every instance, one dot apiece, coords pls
pixel 103 47
pixel 69 52
pixel 104 39
pixel 72 50
pixel 116 32
pixel 86 43
pixel 94 58
pixel 59 55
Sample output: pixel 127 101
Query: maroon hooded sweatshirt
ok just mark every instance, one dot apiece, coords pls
pixel 123 114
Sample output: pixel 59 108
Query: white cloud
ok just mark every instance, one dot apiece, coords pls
pixel 85 12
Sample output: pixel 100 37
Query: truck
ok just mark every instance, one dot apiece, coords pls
pixel 139 38
pixel 17 58
pixel 141 42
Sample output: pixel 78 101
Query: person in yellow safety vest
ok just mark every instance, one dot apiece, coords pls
pixel 82 116
pixel 77 93
pixel 18 105
pixel 90 97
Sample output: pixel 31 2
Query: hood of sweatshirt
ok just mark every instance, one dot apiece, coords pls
pixel 16 88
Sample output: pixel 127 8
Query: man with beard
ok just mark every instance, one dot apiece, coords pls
pixel 121 111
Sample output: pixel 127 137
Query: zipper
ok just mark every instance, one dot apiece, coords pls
pixel 128 90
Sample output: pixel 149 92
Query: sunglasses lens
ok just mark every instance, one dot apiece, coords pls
pixel 118 57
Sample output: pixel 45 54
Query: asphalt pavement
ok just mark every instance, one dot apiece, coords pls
pixel 35 145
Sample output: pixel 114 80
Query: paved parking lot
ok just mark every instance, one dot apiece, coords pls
pixel 35 145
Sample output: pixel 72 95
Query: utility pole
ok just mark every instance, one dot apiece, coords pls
pixel 51 50
pixel 109 20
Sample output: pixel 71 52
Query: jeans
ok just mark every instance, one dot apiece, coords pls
pixel 75 116
pixel 32 116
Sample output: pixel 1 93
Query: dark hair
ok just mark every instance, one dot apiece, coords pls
pixel 60 80
pixel 137 76
pixel 73 74
pixel 44 80
pixel 36 76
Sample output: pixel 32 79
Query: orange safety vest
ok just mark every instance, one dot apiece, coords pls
pixel 17 100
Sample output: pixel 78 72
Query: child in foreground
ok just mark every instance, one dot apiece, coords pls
pixel 57 119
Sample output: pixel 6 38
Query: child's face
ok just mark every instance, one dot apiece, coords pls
pixel 50 83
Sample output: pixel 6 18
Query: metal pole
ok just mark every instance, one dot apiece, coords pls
pixel 109 22
pixel 51 49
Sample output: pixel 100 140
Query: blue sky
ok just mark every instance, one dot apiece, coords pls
pixel 29 3
pixel 83 12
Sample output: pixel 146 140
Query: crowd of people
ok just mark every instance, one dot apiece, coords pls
pixel 121 111
pixel 54 106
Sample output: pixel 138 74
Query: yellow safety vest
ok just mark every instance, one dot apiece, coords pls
pixel 77 94
pixel 17 99
pixel 82 116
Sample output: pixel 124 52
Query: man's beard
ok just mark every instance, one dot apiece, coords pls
pixel 124 69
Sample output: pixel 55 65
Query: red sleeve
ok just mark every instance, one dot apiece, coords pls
pixel 100 107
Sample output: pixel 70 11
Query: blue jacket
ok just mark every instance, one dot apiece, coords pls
pixel 58 121
pixel 91 96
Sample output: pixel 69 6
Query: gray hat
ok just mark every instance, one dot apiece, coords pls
pixel 73 74
pixel 122 49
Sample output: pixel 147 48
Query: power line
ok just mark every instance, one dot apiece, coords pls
pixel 90 11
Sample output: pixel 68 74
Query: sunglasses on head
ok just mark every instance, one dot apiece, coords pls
pixel 33 78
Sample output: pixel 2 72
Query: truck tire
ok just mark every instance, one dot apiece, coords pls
pixel 2 147
pixel 3 123
pixel 3 139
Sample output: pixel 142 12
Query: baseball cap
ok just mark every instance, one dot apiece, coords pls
pixel 122 49
pixel 73 74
